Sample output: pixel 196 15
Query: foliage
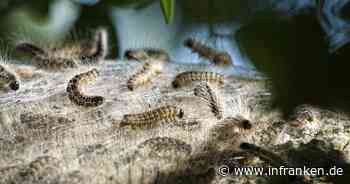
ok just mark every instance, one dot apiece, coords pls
pixel 168 7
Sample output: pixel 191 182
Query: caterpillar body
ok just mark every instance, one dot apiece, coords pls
pixel 231 127
pixel 147 54
pixel 217 57
pixel 148 71
pixel 302 115
pixel 75 91
pixel 207 93
pixel 228 134
pixel 149 118
pixel 8 79
pixel 185 78
pixel 44 59
pixel 99 49
pixel 67 57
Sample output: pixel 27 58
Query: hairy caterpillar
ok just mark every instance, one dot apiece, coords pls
pixel 163 147
pixel 165 113
pixel 147 54
pixel 228 134
pixel 99 49
pixel 217 57
pixel 185 78
pixel 145 75
pixel 44 59
pixel 207 93
pixel 68 57
pixel 75 91
pixel 302 115
pixel 231 127
pixel 8 79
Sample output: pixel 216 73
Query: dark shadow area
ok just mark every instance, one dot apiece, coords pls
pixel 293 53
pixel 345 11
pixel 93 17
pixel 320 154
pixel 185 178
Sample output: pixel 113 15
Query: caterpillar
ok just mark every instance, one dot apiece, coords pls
pixel 149 118
pixel 148 71
pixel 75 91
pixel 44 59
pixel 231 127
pixel 44 121
pixel 97 50
pixel 217 57
pixel 301 116
pixel 185 78
pixel 68 57
pixel 163 147
pixel 147 54
pixel 8 79
pixel 207 93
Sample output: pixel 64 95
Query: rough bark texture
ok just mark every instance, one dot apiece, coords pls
pixel 45 138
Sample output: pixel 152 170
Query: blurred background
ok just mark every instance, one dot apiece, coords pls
pixel 301 45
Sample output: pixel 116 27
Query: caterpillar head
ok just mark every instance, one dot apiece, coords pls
pixel 14 85
pixel 175 84
pixel 98 100
pixel 180 113
pixel 190 42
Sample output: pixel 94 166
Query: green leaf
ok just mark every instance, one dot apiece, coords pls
pixel 168 8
